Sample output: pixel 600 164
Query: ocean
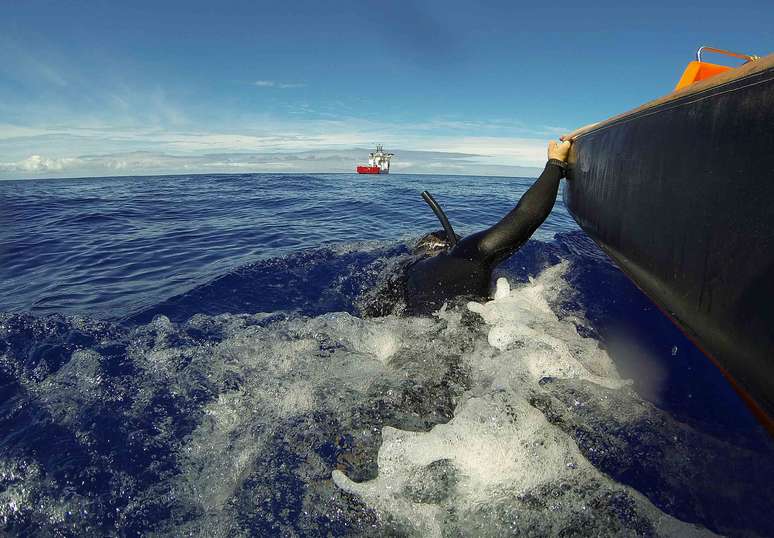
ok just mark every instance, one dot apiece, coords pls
pixel 190 355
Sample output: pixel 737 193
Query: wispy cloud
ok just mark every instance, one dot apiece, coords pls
pixel 35 164
pixel 262 145
pixel 276 84
pixel 141 129
pixel 317 161
pixel 22 66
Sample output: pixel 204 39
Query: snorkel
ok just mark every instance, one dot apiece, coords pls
pixel 451 237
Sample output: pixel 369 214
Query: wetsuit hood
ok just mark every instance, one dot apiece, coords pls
pixel 433 243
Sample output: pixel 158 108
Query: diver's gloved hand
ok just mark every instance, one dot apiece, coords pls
pixel 559 150
pixel 557 155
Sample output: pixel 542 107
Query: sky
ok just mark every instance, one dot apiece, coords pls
pixel 102 88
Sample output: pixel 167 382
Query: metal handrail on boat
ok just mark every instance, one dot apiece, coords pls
pixel 745 57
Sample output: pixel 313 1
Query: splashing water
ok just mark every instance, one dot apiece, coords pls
pixel 427 426
pixel 235 387
pixel 499 467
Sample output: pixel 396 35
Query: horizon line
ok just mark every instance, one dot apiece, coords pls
pixel 261 173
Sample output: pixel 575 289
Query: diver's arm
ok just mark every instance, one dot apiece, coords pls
pixel 504 238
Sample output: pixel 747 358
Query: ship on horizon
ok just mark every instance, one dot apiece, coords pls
pixel 378 162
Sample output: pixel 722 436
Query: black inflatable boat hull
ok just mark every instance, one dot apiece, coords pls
pixel 680 194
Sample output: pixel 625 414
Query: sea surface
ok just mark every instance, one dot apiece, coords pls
pixel 193 355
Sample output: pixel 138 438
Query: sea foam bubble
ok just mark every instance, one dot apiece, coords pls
pixel 499 466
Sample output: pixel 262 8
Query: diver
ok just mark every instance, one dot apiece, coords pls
pixel 447 266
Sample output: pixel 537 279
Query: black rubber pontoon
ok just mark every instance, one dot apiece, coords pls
pixel 680 193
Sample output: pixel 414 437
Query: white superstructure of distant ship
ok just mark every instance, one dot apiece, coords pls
pixel 378 162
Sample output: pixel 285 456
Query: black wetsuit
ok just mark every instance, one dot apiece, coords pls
pixel 466 269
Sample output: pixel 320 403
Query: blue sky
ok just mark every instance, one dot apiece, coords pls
pixel 104 88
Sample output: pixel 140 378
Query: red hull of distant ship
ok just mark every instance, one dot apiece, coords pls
pixel 368 170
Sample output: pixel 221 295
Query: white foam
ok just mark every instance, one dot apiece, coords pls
pixel 523 325
pixel 25 488
pixel 321 364
pixel 499 449
pixel 75 386
pixel 471 476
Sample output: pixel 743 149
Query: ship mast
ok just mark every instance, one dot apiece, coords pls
pixel 380 158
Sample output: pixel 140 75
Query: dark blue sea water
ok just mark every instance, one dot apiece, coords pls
pixel 191 355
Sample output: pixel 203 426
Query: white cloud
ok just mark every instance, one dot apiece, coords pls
pixel 315 161
pixel 14 131
pixel 125 126
pixel 500 150
pixel 275 84
pixel 108 146
pixel 37 164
